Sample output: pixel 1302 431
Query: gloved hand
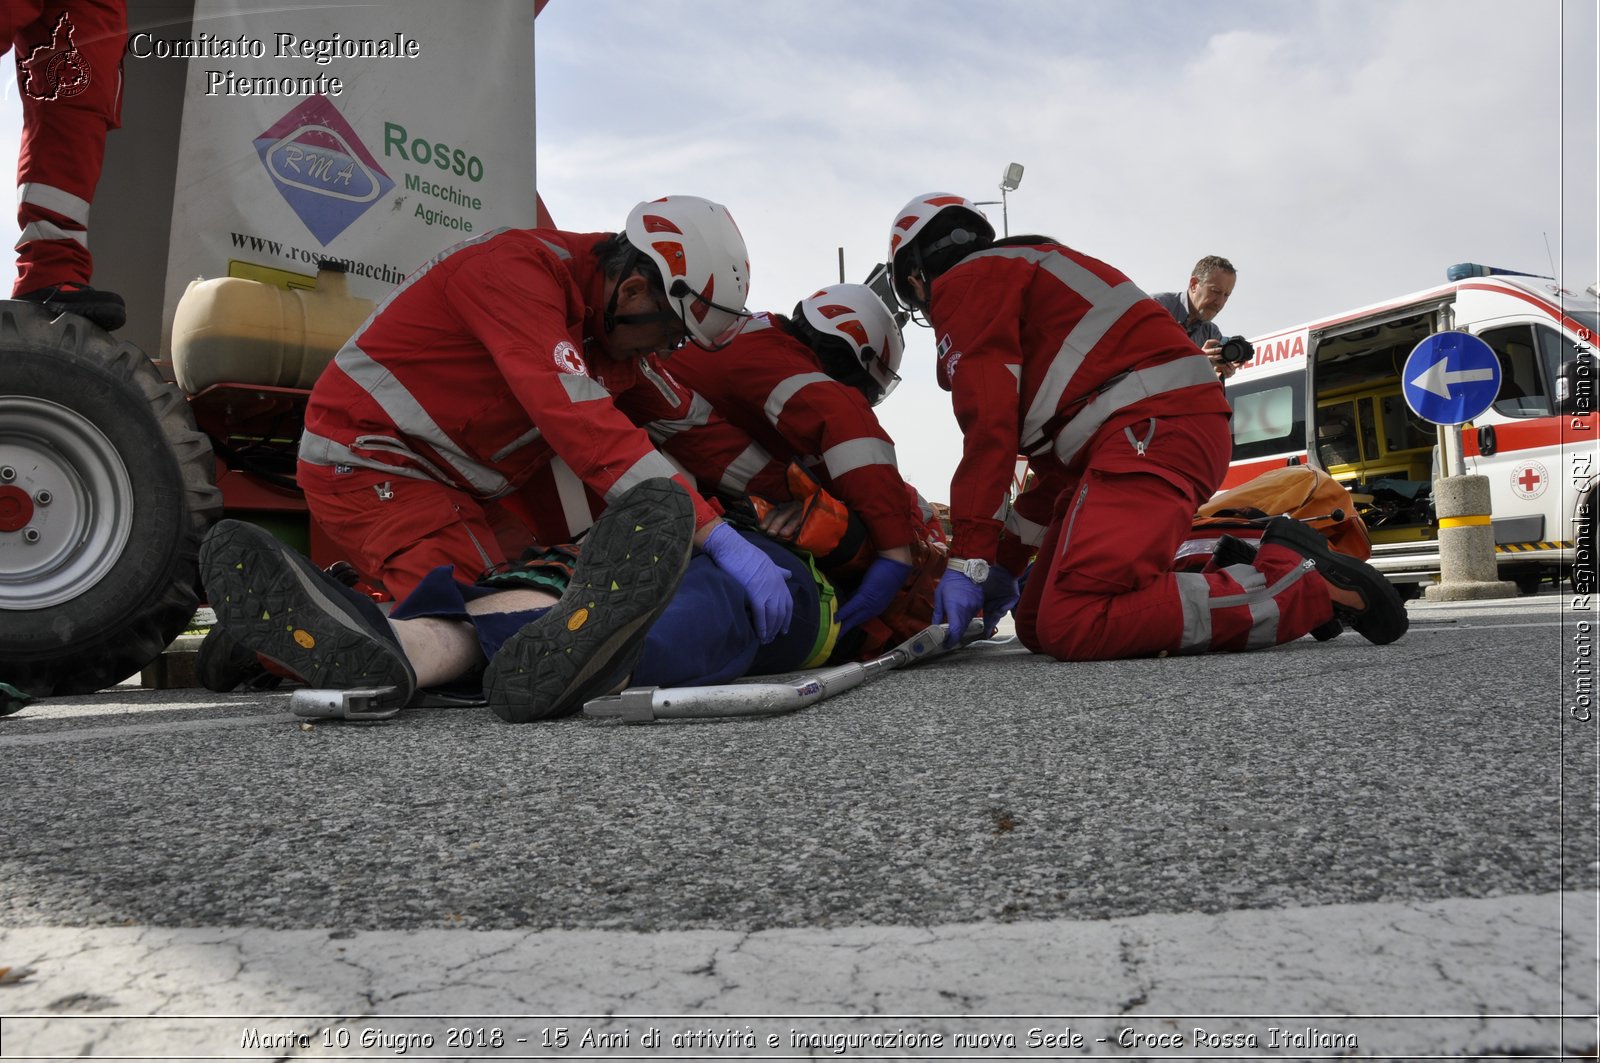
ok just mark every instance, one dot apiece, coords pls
pixel 878 588
pixel 956 601
pixel 1000 593
pixel 765 584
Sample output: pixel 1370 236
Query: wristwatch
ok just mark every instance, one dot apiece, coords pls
pixel 976 570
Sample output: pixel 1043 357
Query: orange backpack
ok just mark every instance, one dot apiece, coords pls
pixel 1299 491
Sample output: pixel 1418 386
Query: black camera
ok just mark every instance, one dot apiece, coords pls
pixel 1236 350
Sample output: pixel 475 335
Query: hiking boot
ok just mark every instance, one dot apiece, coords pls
pixel 222 665
pixel 105 309
pixel 588 643
pixel 275 603
pixel 1234 551
pixel 1382 617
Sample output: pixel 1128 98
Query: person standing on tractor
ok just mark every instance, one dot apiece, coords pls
pixel 69 73
pixel 803 387
pixel 444 413
pixel 1050 353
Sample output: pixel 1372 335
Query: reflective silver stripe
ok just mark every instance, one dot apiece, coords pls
pixel 574 499
pixel 1125 391
pixel 56 200
pixel 411 419
pixel 1247 577
pixel 557 250
pixel 320 450
pixel 1030 533
pixel 1194 591
pixel 649 467
pixel 786 390
pixel 516 444
pixel 43 230
pixel 418 275
pixel 1107 304
pixel 583 388
pixel 737 476
pixel 856 454
pixel 665 428
pixel 923 507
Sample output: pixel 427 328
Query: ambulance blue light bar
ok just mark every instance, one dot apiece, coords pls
pixel 1463 270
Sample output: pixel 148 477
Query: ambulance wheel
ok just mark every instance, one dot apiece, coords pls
pixel 106 487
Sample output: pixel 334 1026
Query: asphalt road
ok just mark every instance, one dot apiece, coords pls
pixel 1323 849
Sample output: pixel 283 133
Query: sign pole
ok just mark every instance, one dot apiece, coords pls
pixel 1450 378
pixel 1450 450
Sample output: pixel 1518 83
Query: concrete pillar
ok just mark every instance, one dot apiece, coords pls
pixel 1467 567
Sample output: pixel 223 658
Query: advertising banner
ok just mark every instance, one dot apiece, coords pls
pixel 371 135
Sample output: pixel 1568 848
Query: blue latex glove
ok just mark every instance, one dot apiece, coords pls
pixel 1001 592
pixel 956 601
pixel 878 587
pixel 765 584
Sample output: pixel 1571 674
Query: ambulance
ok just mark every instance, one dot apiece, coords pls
pixel 1328 393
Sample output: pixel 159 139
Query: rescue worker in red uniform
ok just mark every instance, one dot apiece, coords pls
pixel 803 387
pixel 1050 353
pixel 69 73
pixel 446 410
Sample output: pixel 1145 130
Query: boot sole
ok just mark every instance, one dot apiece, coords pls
pixel 631 563
pixel 1384 619
pixel 275 604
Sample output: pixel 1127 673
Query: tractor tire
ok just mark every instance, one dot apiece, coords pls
pixel 106 487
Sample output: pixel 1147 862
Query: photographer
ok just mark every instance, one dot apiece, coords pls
pixel 1210 284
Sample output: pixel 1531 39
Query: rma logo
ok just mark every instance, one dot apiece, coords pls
pixel 321 168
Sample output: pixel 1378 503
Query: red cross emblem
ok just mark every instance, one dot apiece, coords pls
pixel 1529 480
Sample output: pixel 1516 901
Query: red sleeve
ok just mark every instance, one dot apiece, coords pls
pixel 977 316
pixel 816 416
pixel 516 301
pixel 719 455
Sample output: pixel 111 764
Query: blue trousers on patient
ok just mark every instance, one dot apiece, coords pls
pixel 705 637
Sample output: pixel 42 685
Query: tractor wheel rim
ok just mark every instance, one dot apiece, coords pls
pixel 82 503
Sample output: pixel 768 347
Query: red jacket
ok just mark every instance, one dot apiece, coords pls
pixel 772 386
pixel 477 371
pixel 1046 352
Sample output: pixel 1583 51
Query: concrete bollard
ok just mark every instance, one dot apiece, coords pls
pixel 1467 567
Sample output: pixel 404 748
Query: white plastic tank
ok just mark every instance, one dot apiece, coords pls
pixel 233 330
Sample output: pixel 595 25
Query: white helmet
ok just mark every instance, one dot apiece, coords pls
pixel 704 266
pixel 905 253
pixel 854 313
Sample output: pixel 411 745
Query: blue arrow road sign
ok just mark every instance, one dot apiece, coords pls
pixel 1450 377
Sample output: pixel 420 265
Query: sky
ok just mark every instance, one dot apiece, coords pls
pixel 1339 152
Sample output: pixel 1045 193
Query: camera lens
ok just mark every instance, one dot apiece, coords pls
pixel 1236 349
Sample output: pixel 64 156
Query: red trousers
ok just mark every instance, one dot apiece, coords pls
pixel 69 72
pixel 1102 586
pixel 399 530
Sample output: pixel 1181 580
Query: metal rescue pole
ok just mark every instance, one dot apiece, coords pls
pixel 645 704
pixel 1450 378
